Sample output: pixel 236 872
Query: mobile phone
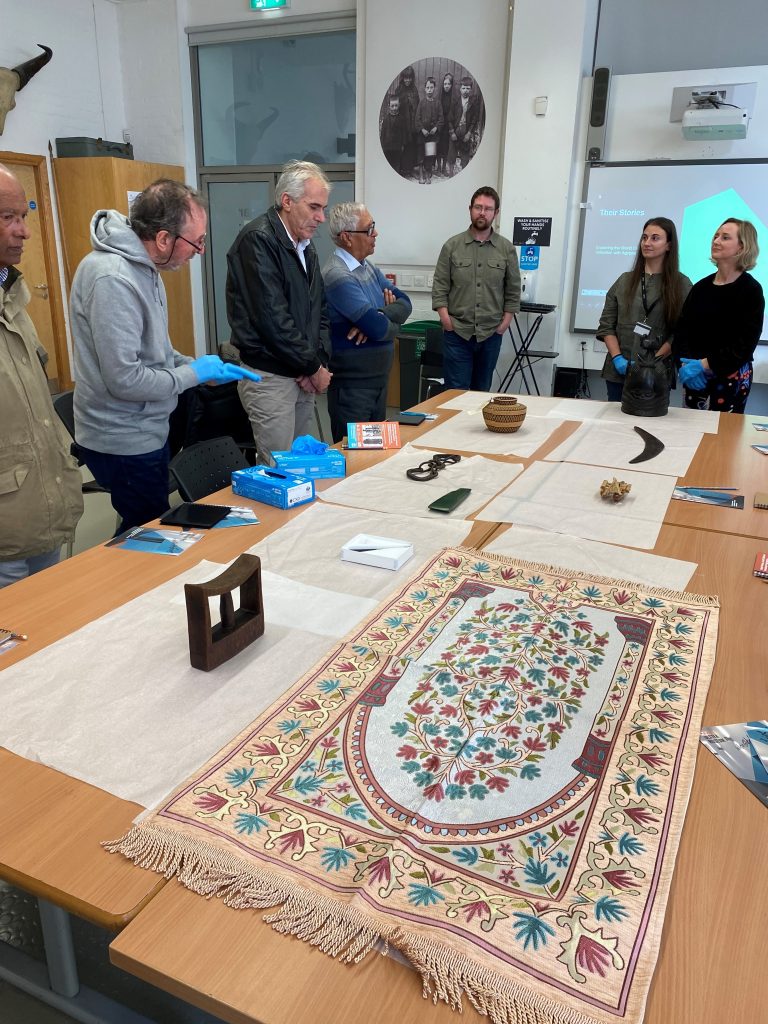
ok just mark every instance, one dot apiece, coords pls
pixel 410 419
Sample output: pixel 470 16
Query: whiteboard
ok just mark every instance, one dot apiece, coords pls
pixel 620 197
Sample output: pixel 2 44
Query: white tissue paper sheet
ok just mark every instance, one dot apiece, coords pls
pixel 565 497
pixel 467 432
pixel 138 718
pixel 386 488
pixel 614 444
pixel 592 557
pixel 610 412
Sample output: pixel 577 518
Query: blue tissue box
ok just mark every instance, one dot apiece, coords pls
pixel 273 487
pixel 324 466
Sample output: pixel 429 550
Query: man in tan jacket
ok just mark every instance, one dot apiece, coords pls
pixel 40 485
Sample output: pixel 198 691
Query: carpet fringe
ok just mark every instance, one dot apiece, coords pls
pixel 336 929
pixel 558 570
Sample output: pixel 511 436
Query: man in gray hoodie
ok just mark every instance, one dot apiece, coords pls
pixel 127 374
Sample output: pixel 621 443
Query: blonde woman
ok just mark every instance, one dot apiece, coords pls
pixel 720 324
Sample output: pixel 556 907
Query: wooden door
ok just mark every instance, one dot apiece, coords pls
pixel 89 183
pixel 40 266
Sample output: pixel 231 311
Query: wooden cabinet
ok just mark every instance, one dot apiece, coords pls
pixel 87 184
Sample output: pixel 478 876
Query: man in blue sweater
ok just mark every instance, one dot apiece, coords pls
pixel 365 312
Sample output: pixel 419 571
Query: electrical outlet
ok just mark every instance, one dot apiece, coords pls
pixel 430 280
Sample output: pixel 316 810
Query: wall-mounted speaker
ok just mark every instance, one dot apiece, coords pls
pixel 598 113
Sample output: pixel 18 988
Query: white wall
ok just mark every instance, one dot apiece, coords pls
pixel 80 92
pixel 416 219
pixel 551 53
pixel 153 79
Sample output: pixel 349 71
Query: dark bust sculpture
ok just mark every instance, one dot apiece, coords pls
pixel 647 383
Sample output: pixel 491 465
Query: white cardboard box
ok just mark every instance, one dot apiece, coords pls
pixel 382 552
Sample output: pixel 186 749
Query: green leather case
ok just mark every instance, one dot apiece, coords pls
pixel 451 500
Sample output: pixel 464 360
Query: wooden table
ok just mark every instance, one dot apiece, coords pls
pixel 725 458
pixel 53 825
pixel 233 965
pixel 177 939
pixel 73 871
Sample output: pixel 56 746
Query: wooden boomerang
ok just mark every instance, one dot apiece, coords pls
pixel 653 447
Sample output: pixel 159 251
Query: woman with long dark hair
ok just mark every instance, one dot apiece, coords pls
pixel 443 165
pixel 643 305
pixel 721 323
pixel 409 101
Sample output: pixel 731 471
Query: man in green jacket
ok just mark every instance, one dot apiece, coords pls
pixel 476 292
pixel 40 485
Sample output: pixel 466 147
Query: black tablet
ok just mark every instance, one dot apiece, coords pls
pixel 190 513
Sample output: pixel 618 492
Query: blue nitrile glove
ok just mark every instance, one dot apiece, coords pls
pixel 692 375
pixel 620 363
pixel 308 445
pixel 211 368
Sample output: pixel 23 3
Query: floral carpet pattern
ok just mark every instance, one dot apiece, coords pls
pixel 491 775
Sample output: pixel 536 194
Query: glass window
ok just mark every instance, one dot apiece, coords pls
pixel 233 201
pixel 232 204
pixel 266 101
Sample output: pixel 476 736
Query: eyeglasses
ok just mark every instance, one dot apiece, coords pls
pixel 484 209
pixel 363 231
pixel 198 246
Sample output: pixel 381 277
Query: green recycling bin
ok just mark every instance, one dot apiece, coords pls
pixel 412 340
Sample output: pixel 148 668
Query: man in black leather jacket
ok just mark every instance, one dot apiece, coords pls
pixel 277 312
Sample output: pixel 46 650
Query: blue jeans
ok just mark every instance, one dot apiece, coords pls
pixel 349 403
pixel 469 365
pixel 615 390
pixel 20 568
pixel 137 484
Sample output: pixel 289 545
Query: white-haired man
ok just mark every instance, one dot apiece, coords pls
pixel 277 311
pixel 365 311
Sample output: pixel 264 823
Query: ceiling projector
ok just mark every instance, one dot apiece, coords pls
pixel 714 123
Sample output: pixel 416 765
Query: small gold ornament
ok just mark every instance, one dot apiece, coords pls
pixel 614 490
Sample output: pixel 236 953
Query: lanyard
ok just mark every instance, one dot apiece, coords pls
pixel 644 294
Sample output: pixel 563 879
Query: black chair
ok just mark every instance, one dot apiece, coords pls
pixel 64 404
pixel 206 467
pixel 203 413
pixel 431 364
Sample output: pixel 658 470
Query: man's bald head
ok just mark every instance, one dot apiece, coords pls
pixel 13 218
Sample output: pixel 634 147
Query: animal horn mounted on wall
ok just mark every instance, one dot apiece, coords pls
pixel 12 80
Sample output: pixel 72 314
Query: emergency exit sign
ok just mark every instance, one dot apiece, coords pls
pixel 269 5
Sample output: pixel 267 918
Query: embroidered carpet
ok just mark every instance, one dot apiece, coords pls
pixel 491 775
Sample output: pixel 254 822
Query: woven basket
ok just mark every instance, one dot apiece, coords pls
pixel 504 414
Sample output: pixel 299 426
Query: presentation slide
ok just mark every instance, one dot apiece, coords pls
pixel 697 197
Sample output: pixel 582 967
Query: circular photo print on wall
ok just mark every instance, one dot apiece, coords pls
pixel 432 119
